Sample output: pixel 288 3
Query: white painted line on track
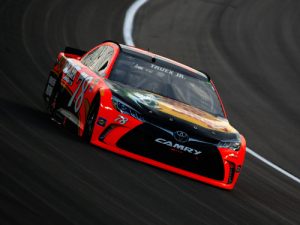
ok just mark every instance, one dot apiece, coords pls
pixel 129 19
pixel 127 35
pixel 275 167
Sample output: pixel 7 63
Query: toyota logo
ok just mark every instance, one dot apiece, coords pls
pixel 181 136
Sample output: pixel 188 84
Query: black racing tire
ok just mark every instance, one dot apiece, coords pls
pixel 90 120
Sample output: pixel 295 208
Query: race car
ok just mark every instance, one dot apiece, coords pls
pixel 146 107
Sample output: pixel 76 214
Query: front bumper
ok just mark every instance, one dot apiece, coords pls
pixel 215 166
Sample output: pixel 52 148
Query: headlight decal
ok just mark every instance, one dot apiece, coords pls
pixel 233 145
pixel 125 108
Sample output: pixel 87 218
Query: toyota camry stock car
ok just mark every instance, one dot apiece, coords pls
pixel 148 108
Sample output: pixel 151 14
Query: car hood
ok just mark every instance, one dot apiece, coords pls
pixel 162 110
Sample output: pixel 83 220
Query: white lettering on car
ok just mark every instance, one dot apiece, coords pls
pixel 162 69
pixel 70 71
pixel 84 80
pixel 167 71
pixel 178 146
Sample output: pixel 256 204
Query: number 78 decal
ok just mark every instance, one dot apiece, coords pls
pixel 84 80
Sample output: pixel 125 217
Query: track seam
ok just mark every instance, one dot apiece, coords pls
pixel 127 36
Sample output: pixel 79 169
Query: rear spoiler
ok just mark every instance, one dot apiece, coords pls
pixel 74 51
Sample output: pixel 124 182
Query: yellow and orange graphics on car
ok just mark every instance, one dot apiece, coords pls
pixel 195 116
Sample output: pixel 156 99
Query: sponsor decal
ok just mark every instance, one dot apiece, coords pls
pixel 143 98
pixel 177 146
pixel 101 121
pixel 70 71
pixel 99 59
pixel 50 86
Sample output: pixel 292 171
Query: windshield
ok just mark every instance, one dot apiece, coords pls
pixel 168 80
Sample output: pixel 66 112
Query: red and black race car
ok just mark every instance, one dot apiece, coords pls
pixel 148 108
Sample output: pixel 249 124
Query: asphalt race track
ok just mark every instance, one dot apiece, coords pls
pixel 251 49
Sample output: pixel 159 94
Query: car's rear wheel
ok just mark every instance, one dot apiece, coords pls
pixel 91 119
